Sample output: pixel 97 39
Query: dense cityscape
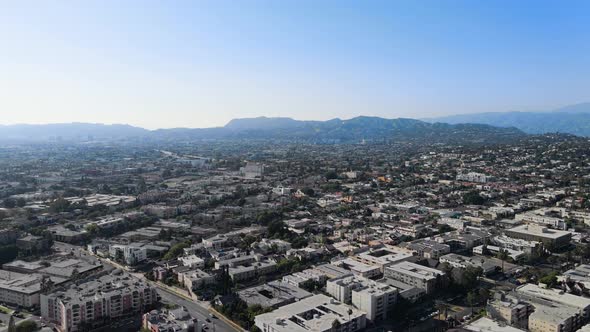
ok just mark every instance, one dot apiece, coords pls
pixel 261 236
pixel 295 166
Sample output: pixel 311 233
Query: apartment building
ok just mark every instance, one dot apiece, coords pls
pixel 509 310
pixel 554 310
pixel 195 278
pixel 251 270
pixel 383 257
pixel 95 302
pixel 364 294
pixel 429 248
pixel 131 254
pixel 359 268
pixel 417 275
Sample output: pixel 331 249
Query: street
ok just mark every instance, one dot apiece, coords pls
pixel 198 311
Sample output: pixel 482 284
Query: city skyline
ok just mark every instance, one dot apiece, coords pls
pixel 202 64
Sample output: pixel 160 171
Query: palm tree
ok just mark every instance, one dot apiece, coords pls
pixel 442 306
pixel 471 300
pixel 503 255
pixel 349 312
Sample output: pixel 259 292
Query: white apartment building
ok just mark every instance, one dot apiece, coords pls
pixel 364 294
pixel 416 275
pixel 192 261
pixel 132 254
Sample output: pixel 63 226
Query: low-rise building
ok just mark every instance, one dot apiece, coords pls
pixel 417 275
pixel 173 320
pixel 383 257
pixel 192 261
pixel 195 278
pixel 313 314
pixel 273 294
pixel 251 270
pixel 428 248
pixel 463 262
pixel 359 268
pixel 551 238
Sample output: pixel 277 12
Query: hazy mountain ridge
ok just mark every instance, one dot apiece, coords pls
pixel 335 130
pixel 572 119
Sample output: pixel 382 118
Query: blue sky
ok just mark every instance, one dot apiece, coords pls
pixel 160 64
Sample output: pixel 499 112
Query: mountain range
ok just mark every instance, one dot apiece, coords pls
pixel 464 128
pixel 357 129
pixel 573 119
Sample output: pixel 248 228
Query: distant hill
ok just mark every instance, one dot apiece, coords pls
pixel 573 119
pixel 357 129
pixel 68 131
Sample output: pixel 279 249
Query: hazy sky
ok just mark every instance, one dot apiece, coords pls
pixel 201 63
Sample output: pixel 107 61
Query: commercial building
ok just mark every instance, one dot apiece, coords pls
pixel 312 314
pixel 23 289
pixel 173 320
pixel 96 302
pixel 463 262
pixel 367 295
pixel 416 275
pixel 551 238
pixel 63 267
pixel 273 294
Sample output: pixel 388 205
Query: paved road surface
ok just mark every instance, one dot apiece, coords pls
pixel 199 312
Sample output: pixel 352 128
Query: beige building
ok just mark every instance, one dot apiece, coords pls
pixel 364 294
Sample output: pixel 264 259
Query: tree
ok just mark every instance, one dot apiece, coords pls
pixel 503 255
pixel 331 175
pixel 92 229
pixel 59 205
pixel 9 203
pixel 473 198
pixel 11 324
pixel 442 307
pixel 176 250
pixel 27 326
pixel 336 324
pixel 20 202
pixel 550 279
